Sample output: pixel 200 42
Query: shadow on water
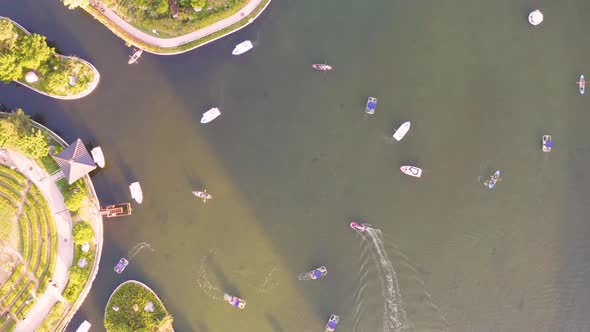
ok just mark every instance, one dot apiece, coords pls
pixel 226 284
pixel 202 326
pixel 274 323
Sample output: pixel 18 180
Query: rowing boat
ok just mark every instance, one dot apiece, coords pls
pixel 204 195
pixel 582 84
pixel 321 66
pixel 135 56
pixel 332 322
pixel 235 301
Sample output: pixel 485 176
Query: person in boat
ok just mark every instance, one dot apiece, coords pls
pixel 235 302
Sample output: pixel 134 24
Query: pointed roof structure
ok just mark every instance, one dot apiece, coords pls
pixel 74 161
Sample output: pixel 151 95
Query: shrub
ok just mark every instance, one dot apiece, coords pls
pixel 82 232
pixel 75 196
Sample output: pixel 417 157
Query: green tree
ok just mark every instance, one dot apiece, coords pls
pixel 75 196
pixel 73 4
pixel 57 80
pixel 33 144
pixel 82 232
pixel 32 50
pixel 10 68
pixel 7 34
pixel 21 121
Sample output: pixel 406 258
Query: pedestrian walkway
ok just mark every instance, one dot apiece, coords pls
pixel 180 40
pixel 65 243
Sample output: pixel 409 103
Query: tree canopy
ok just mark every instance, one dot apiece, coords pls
pixel 16 132
pixel 73 4
pixel 20 53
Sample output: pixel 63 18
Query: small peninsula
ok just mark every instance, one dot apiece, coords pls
pixel 26 58
pixel 50 242
pixel 133 306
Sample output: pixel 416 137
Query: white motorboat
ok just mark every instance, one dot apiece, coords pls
pixel 242 47
pixel 401 131
pixel 412 171
pixel 210 115
pixel 135 56
pixel 136 192
pixel 98 156
pixel 84 327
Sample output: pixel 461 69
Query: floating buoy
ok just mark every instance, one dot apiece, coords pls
pixel 536 17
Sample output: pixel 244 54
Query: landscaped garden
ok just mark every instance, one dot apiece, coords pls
pixel 34 236
pixel 27 59
pixel 135 307
pixel 30 235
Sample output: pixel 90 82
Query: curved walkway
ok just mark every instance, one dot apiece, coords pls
pixel 65 243
pixel 189 37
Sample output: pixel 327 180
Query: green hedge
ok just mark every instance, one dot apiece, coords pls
pixel 52 318
pixel 23 226
pixel 8 181
pixel 8 192
pixel 13 174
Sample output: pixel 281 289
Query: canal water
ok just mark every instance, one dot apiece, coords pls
pixel 293 159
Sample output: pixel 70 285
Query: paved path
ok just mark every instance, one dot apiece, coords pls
pixel 65 244
pixel 180 40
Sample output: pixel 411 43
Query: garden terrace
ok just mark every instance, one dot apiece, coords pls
pixel 37 246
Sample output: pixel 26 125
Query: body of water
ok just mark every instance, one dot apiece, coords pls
pixel 293 158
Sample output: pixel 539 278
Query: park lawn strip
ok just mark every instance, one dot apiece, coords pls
pixel 52 318
pixel 129 39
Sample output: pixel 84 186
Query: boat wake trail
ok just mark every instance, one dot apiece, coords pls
pixel 137 248
pixel 204 283
pixel 395 318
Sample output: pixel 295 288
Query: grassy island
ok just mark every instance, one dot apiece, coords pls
pixel 133 306
pixel 27 59
pixel 29 239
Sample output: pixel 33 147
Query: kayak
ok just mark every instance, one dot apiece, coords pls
pixel 358 227
pixel 401 131
pixel 582 84
pixel 203 195
pixel 411 171
pixel 493 179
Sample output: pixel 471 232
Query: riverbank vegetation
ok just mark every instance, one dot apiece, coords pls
pixel 135 307
pixel 83 260
pixel 27 59
pixel 169 18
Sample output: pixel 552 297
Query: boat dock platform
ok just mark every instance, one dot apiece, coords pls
pixel 116 210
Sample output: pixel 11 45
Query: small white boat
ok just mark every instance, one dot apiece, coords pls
pixel 235 301
pixel 242 47
pixel 135 56
pixel 98 156
pixel 136 192
pixel 401 131
pixel 210 115
pixel 412 171
pixel 494 178
pixel 84 327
